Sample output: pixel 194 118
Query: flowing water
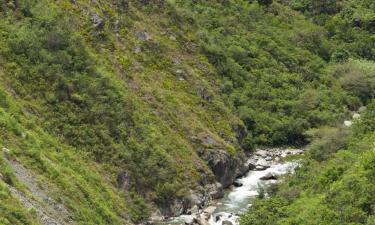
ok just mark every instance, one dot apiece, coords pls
pixel 239 199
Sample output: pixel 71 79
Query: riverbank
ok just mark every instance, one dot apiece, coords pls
pixel 264 167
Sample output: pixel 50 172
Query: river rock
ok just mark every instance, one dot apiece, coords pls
pixel 262 153
pixel 208 212
pixel 215 191
pixel 263 163
pixel 227 222
pixel 236 183
pixel 201 220
pixel 270 176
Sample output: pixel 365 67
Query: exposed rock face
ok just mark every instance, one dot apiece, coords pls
pixel 215 191
pixel 178 207
pixel 223 166
pixel 123 180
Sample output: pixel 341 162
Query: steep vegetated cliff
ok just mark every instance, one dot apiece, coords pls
pixel 112 110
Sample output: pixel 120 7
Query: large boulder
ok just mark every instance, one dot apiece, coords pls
pixel 262 164
pixel 223 165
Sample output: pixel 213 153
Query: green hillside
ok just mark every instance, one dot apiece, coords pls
pixel 111 111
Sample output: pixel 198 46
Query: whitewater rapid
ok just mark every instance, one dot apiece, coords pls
pixel 239 199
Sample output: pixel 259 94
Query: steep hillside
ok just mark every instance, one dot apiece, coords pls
pixel 109 105
pixel 113 111
pixel 274 67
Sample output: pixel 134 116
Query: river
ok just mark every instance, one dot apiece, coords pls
pixel 238 199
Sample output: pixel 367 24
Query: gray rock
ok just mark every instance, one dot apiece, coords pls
pixel 227 222
pixel 236 183
pixel 215 191
pixel 270 176
pixel 208 140
pixel 268 158
pixel 142 35
pixel 223 166
pixel 240 131
pixel 262 162
pixel 259 168
pixel 262 153
pixel 123 180
pixel 96 20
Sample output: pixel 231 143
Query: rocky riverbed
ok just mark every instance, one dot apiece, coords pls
pixel 263 167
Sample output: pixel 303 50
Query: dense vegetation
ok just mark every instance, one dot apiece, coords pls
pixel 275 67
pixel 90 90
pixel 335 181
pixel 80 106
pixel 334 184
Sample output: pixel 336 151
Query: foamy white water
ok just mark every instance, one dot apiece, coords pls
pixel 240 198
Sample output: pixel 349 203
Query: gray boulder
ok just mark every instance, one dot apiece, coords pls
pixel 227 222
pixel 236 183
pixel 263 163
pixel 270 176
pixel 262 153
pixel 222 164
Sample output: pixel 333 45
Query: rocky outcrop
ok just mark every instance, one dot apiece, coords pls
pixel 123 180
pixel 197 207
pixel 263 159
pixel 223 165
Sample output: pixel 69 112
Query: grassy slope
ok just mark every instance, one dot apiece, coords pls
pixel 81 93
